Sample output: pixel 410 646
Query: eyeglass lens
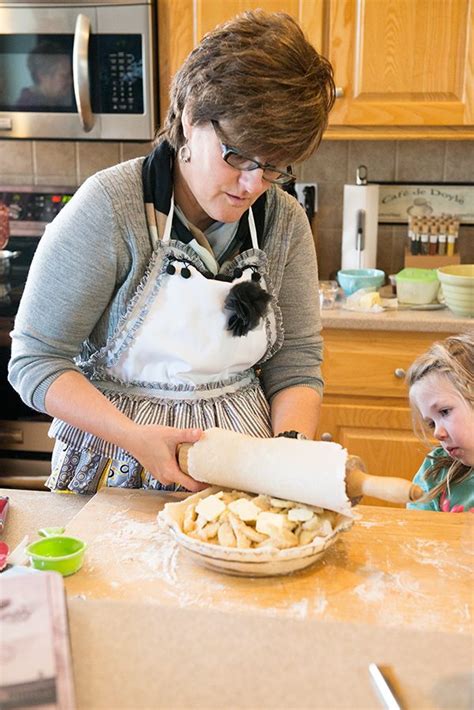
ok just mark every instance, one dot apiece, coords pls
pixel 242 163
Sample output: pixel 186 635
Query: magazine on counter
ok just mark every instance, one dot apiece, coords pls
pixel 35 654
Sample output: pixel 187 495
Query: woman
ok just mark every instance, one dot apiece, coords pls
pixel 164 283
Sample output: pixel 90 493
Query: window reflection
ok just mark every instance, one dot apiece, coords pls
pixel 51 75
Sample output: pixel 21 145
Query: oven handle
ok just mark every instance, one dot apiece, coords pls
pixel 80 71
pixel 11 436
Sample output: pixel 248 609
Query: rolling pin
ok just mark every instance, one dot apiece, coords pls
pixel 318 473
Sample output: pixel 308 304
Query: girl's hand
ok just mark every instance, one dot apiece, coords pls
pixel 155 448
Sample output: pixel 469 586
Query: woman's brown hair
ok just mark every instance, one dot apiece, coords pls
pixel 453 359
pixel 258 73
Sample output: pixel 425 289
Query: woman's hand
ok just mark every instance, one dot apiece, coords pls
pixel 73 398
pixel 155 448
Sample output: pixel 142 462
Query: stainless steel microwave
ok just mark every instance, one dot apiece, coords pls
pixel 78 70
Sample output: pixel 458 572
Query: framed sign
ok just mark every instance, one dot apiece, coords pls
pixel 398 202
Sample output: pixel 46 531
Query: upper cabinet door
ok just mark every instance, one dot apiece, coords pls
pixel 183 23
pixel 401 62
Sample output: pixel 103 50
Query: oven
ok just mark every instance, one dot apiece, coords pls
pixel 83 71
pixel 25 448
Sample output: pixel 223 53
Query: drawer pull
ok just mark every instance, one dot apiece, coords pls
pixel 339 93
pixel 326 436
pixel 400 373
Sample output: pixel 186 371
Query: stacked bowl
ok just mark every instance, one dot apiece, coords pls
pixel 458 288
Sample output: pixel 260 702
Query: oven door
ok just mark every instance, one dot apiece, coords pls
pixel 94 77
pixel 25 448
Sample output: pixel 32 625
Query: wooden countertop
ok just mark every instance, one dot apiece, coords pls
pixel 442 321
pixel 149 628
pixel 394 567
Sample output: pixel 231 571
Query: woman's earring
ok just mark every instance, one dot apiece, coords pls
pixel 184 153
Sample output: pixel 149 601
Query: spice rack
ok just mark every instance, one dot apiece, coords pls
pixel 432 241
pixel 430 262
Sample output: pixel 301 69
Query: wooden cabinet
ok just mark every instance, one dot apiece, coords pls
pixel 402 63
pixel 182 24
pixel 404 67
pixel 365 406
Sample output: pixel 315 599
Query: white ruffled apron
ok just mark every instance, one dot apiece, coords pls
pixel 173 361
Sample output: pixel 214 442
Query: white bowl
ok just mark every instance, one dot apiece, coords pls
pixel 257 562
pixel 457 283
pixel 417 286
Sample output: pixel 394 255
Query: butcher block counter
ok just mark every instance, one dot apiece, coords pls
pixel 151 629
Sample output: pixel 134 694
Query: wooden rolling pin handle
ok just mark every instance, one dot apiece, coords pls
pixel 394 490
pixel 182 456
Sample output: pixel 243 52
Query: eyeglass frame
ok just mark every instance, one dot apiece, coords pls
pixel 228 150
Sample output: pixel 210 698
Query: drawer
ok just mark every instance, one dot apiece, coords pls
pixel 371 364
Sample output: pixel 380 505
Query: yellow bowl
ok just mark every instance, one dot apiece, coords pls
pixel 457 283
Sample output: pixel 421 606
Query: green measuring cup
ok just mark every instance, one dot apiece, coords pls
pixel 57 553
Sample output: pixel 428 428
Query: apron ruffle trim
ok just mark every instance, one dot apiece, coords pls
pixel 165 391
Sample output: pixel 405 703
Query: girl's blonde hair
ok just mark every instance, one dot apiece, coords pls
pixel 452 359
pixel 259 73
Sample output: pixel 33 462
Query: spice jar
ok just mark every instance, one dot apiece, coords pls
pixel 433 243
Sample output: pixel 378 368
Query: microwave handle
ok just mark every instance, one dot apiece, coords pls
pixel 80 71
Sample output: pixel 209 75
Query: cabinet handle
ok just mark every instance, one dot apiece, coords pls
pixel 326 436
pixel 339 92
pixel 400 373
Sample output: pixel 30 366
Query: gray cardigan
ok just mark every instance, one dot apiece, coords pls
pixel 91 259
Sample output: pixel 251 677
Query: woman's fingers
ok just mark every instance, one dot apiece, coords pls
pixel 188 436
pixel 164 465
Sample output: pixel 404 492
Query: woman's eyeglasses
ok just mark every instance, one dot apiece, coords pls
pixel 234 157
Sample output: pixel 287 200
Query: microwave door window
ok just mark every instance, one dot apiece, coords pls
pixel 36 73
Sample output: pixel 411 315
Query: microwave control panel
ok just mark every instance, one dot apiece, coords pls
pixel 118 59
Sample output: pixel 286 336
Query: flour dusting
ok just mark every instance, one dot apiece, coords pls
pixel 156 557
pixel 380 583
pixel 438 555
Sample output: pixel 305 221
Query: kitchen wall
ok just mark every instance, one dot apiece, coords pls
pixel 335 163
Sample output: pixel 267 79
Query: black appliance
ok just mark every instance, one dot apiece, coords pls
pixel 25 448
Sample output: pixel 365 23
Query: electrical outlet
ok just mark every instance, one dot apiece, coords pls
pixel 299 189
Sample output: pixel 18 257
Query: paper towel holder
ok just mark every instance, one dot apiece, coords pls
pixel 360 223
pixel 362 175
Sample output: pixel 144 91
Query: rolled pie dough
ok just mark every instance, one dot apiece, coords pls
pixel 311 472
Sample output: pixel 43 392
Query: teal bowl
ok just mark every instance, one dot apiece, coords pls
pixel 58 553
pixel 351 280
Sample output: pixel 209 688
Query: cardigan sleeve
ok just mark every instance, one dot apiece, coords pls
pixel 70 283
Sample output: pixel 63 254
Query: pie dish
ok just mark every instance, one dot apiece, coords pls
pixel 254 562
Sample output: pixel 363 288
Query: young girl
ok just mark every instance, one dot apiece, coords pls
pixel 441 390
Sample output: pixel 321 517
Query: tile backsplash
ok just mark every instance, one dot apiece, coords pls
pixel 333 165
pixel 61 162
